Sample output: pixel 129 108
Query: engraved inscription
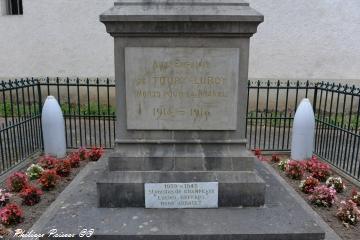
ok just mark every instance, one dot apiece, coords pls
pixel 181 88
pixel 181 195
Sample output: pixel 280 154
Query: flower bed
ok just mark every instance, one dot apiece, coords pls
pixel 26 194
pixel 336 200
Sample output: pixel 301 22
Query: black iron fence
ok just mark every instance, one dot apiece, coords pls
pixel 337 126
pixel 20 126
pixel 89 110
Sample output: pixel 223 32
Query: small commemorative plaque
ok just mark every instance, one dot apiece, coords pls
pixel 181 195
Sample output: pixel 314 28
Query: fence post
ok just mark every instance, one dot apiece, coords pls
pixel 315 98
pixel 247 107
pixel 40 112
pixel 314 109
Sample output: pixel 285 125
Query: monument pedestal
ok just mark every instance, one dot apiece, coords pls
pixel 181 85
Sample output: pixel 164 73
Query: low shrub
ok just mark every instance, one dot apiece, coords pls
pixel 17 181
pixel 323 196
pixel 11 214
pixel 47 162
pixel 74 159
pixel 336 183
pixel 48 179
pixel 83 153
pixel 63 168
pixel 294 169
pixel 348 212
pixel 311 164
pixel 282 164
pixel 96 153
pixel 34 171
pixel 321 171
pixel 355 197
pixel 275 158
pixel 30 195
pixel 308 185
pixel 4 197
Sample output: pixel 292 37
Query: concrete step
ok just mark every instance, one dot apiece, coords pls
pixel 126 189
pixel 182 161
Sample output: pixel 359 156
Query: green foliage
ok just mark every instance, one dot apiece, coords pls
pixel 34 171
pixel 68 109
pixel 88 109
pixel 17 110
pixel 281 119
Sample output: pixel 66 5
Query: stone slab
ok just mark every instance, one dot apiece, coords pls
pixel 184 2
pixel 182 195
pixel 148 11
pixel 185 17
pixel 126 189
pixel 182 161
pixel 181 88
pixel 285 215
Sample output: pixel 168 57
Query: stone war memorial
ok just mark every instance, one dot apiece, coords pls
pixel 180 168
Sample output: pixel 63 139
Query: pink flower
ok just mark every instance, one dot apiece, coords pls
pixel 323 196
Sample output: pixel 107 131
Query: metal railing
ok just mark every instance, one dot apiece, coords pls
pixel 20 122
pixel 89 111
pixel 337 126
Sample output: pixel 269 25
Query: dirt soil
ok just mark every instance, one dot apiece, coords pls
pixel 33 213
pixel 328 214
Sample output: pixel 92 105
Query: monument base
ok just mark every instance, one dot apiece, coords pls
pixel 126 189
pixel 231 165
pixel 284 216
pixel 214 156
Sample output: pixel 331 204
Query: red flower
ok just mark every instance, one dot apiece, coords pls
pixel 308 185
pixel 295 169
pixel 96 153
pixel 48 179
pixel 63 168
pixel 11 214
pixel 47 162
pixel 257 152
pixel 321 171
pixel 30 195
pixel 74 159
pixel 17 181
pixel 311 164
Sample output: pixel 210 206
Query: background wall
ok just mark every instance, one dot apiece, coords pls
pixel 56 38
pixel 300 39
pixel 307 39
